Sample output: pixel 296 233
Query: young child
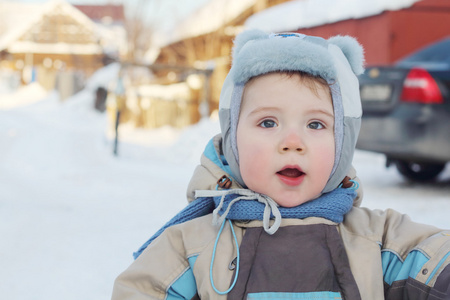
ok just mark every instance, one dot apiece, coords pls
pixel 273 210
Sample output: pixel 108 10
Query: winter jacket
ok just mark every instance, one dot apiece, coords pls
pixel 372 254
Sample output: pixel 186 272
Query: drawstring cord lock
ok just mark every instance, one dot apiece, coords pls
pixel 224 182
pixel 348 183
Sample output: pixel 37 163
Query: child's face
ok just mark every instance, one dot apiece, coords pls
pixel 285 138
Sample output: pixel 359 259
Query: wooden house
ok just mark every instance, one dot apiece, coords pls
pixel 52 43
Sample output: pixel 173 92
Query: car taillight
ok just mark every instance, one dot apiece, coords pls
pixel 420 87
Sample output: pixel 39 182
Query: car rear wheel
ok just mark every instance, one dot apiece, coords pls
pixel 419 171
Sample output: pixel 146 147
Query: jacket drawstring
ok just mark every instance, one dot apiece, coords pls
pixel 214 256
pixel 271 207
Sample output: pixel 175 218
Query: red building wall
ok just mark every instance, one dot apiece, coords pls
pixel 372 32
pixel 391 35
pixel 420 25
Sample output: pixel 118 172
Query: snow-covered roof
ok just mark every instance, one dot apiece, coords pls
pixel 208 18
pixel 15 19
pixel 296 14
pixel 18 18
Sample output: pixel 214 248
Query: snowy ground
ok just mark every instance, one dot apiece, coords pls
pixel 71 213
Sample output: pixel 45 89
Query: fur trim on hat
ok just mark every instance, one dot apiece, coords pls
pixel 290 54
pixel 352 50
pixel 246 36
pixel 256 53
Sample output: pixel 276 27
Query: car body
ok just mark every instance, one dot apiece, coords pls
pixel 406 111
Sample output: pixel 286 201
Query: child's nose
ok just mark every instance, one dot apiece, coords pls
pixel 292 142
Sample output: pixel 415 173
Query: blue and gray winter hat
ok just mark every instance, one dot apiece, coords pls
pixel 337 60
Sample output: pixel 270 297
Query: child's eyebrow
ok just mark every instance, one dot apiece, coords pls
pixel 322 111
pixel 263 109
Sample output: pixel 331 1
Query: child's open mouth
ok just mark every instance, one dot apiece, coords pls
pixel 291 175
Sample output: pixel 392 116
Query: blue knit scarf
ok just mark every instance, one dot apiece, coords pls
pixel 332 206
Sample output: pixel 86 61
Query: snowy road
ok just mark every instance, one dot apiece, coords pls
pixel 71 214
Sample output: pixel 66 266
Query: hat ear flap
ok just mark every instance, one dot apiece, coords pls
pixel 245 37
pixel 352 50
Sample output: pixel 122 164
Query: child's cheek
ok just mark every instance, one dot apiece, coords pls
pixel 325 158
pixel 251 165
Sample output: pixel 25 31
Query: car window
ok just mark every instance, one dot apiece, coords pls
pixel 435 53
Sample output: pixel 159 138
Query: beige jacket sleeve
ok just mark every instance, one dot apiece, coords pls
pixel 150 275
pixel 368 233
pixel 182 250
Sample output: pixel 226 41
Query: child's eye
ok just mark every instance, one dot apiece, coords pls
pixel 268 124
pixel 316 125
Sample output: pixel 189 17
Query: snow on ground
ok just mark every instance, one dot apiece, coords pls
pixel 21 97
pixel 71 213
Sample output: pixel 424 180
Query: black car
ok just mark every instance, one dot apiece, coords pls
pixel 406 112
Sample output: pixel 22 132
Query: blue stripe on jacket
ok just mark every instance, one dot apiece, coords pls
pixel 394 269
pixel 184 287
